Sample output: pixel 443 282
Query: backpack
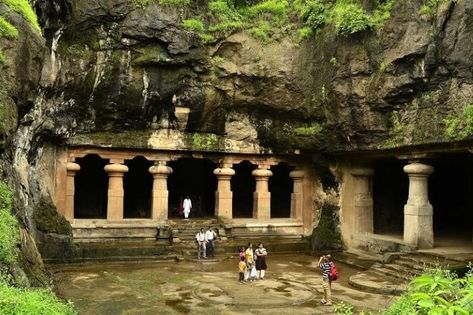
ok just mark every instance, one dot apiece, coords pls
pixel 333 273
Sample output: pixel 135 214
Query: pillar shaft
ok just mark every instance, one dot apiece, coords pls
pixel 262 196
pixel 72 169
pixel 418 212
pixel 363 201
pixel 160 193
pixel 297 197
pixel 224 195
pixel 115 191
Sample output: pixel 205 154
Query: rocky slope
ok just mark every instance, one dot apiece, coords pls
pixel 110 66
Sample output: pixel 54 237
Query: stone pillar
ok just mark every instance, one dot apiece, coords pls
pixel 297 197
pixel 418 212
pixel 115 191
pixel 160 194
pixel 72 169
pixel 363 201
pixel 224 195
pixel 262 196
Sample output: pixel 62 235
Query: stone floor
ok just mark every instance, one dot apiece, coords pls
pixel 292 285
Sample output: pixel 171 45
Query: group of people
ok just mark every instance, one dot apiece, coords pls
pixel 252 265
pixel 206 243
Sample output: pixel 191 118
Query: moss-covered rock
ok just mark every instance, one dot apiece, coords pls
pixel 327 233
pixel 48 219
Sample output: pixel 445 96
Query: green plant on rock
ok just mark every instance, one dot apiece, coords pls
pixel 429 7
pixel 311 130
pixel 24 8
pixel 8 226
pixel 194 25
pixel 350 18
pixel 397 132
pixel 460 126
pixel 7 30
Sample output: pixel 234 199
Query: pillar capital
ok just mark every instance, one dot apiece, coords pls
pixel 297 174
pixel 116 169
pixel 417 168
pixel 72 167
pixel 224 171
pixel 362 171
pixel 262 174
pixel 160 169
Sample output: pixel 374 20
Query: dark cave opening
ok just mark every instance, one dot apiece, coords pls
pixel 243 186
pixel 280 186
pixel 138 184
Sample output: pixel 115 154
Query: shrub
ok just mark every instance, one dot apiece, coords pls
pixel 350 18
pixel 460 126
pixel 8 226
pixel 313 12
pixel 194 25
pixel 16 301
pixel 24 8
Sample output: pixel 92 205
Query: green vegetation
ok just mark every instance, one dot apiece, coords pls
pixel 8 226
pixel 312 130
pixel 7 30
pixel 430 6
pixel 396 134
pixel 24 8
pixel 270 20
pixel 437 291
pixel 25 302
pixel 13 298
pixel 460 126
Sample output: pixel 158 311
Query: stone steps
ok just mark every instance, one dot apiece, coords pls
pixel 373 282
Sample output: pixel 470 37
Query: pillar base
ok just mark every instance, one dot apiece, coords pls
pixel 223 204
pixel 418 226
pixel 262 205
pixel 160 205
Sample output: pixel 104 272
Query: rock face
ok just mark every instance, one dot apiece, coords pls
pixel 109 66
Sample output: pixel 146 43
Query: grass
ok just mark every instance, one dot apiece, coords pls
pixel 24 8
pixel 7 30
pixel 8 226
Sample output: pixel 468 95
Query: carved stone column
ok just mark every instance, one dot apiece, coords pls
pixel 297 196
pixel 363 201
pixel 224 195
pixel 262 196
pixel 160 193
pixel 115 191
pixel 72 169
pixel 418 212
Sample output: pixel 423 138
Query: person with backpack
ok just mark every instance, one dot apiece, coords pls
pixel 329 274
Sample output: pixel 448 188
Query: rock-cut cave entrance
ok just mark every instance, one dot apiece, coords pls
pixel 390 190
pixel 138 184
pixel 91 184
pixel 243 185
pixel 193 178
pixel 280 186
pixel 451 196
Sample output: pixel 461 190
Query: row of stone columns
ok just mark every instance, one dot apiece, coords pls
pixel 160 194
pixel 418 212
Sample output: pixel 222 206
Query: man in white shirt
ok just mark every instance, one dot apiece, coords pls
pixel 210 236
pixel 201 241
pixel 187 205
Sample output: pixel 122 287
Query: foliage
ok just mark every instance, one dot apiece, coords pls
pixel 17 301
pixel 8 226
pixel 436 291
pixel 350 18
pixel 460 126
pixel 396 134
pixel 313 12
pixel 7 30
pixel 343 308
pixel 144 3
pixel 193 25
pixel 430 6
pixel 24 8
pixel 312 130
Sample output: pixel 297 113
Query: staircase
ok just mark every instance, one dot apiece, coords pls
pixel 393 277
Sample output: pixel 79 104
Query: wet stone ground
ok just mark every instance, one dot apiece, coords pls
pixel 292 285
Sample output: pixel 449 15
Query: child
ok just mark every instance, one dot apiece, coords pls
pixel 253 275
pixel 242 269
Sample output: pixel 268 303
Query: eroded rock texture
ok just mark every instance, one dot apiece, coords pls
pixel 108 66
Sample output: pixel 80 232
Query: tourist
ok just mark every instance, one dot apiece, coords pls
pixel 201 242
pixel 249 260
pixel 241 252
pixel 242 269
pixel 187 204
pixel 325 263
pixel 253 273
pixel 261 267
pixel 210 236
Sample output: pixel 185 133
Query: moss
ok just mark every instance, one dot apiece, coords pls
pixel 24 8
pixel 8 226
pixel 396 133
pixel 48 220
pixel 460 126
pixel 151 54
pixel 327 234
pixel 204 142
pixel 129 139
pixel 311 130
